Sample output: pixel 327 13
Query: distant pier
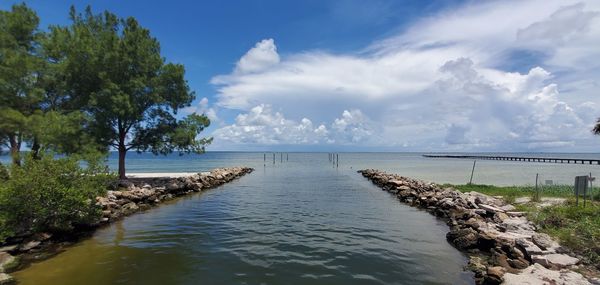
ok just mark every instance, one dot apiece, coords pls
pixel 521 158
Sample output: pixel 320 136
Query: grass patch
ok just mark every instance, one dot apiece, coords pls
pixel 576 227
pixel 509 193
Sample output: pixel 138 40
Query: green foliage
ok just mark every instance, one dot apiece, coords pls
pixel 50 194
pixel 98 83
pixel 181 138
pixel 596 129
pixel 511 192
pixel 575 226
pixel 3 173
pixel 20 68
pixel 114 72
pixel 62 132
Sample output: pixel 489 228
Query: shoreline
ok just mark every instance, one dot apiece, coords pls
pixel 140 192
pixel 502 244
pixel 160 174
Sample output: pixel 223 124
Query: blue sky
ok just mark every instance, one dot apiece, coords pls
pixel 380 75
pixel 208 37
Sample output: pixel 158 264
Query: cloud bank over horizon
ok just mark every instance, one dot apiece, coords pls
pixel 500 75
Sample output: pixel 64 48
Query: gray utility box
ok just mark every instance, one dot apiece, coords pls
pixel 581 185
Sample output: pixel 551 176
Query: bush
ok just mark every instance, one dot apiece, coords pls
pixel 577 227
pixel 3 173
pixel 50 195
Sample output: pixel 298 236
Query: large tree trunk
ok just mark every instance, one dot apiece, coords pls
pixel 122 153
pixel 15 148
pixel 35 149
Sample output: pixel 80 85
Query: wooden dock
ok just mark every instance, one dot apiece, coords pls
pixel 520 158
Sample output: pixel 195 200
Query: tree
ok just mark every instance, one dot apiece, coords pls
pixel 114 72
pixel 596 129
pixel 19 75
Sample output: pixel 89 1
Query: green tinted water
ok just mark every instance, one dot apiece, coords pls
pixel 300 222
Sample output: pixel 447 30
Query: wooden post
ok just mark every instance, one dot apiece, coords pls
pixel 585 194
pixel 537 192
pixel 264 159
pixel 472 170
pixel 591 190
pixel 337 160
pixel 273 158
pixel 584 197
pixel 576 193
pixel 287 157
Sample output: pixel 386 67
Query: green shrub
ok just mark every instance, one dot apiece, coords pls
pixel 577 227
pixel 50 195
pixel 3 173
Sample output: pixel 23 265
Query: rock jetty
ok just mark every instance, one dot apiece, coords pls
pixel 137 194
pixel 127 197
pixel 503 246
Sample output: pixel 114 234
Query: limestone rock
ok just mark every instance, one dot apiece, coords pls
pixel 6 279
pixel 172 186
pixel 537 274
pixel 501 259
pixel 508 208
pixel 481 223
pixel 555 260
pixel 480 212
pixel 491 209
pixel 519 225
pixel 529 248
pixel 463 238
pixel 7 262
pixel 499 217
pixel 543 241
pixel 397 182
pixel 30 245
pixel 476 265
pixel 515 214
pixel 8 248
pixel 480 198
pixel 494 275
pixel 519 263
pixel 129 208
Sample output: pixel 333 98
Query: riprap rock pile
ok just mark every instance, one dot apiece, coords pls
pixel 504 246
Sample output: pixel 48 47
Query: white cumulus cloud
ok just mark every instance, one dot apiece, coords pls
pixel 264 126
pixel 262 56
pixel 498 75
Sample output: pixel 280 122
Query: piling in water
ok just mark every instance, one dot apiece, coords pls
pixel 472 170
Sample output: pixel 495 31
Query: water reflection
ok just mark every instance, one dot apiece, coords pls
pixel 300 222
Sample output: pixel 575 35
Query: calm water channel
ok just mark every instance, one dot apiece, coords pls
pixel 298 222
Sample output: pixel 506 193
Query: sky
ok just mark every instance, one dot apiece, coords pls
pixel 380 75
